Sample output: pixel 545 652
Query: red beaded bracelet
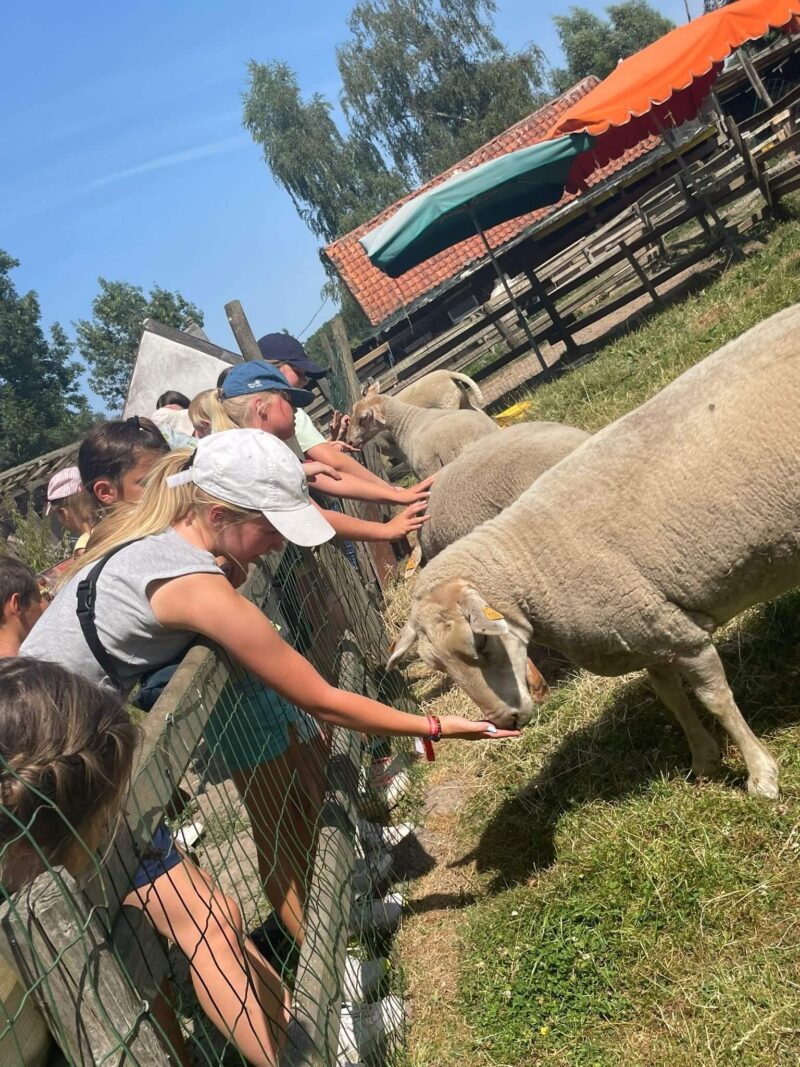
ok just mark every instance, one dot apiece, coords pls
pixel 435 728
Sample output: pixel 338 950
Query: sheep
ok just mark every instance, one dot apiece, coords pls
pixel 635 547
pixel 443 389
pixel 489 475
pixel 427 439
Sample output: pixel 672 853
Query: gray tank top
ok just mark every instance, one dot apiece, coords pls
pixel 126 625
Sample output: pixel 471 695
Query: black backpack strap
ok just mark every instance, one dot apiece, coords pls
pixel 87 596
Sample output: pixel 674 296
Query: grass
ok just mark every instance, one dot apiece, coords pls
pixel 591 905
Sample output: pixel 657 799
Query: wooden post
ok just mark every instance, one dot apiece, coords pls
pixel 753 77
pixel 544 298
pixel 344 361
pixel 641 274
pixel 61 952
pixel 733 133
pixel 245 338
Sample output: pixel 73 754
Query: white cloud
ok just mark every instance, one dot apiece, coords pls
pixel 174 159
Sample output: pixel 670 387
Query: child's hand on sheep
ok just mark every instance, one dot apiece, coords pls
pixel 415 493
pixel 408 521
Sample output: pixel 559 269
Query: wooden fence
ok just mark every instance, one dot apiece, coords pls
pixel 91 967
pixel 634 261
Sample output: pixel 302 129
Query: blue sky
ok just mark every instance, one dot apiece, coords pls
pixel 122 152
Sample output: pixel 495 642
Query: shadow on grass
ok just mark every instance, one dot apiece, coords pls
pixel 635 742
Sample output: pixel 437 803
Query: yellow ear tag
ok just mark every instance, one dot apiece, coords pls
pixel 491 614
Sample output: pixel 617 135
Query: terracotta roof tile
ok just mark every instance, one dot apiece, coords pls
pixel 381 296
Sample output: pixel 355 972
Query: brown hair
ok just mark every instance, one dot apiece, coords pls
pixel 17 577
pixel 66 753
pixel 113 448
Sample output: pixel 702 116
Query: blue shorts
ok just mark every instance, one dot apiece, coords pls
pixel 160 857
pixel 250 724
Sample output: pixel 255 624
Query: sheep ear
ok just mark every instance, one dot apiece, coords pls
pixel 482 618
pixel 404 643
pixel 378 414
pixel 373 388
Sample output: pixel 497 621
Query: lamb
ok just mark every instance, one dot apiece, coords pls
pixel 489 475
pixel 443 389
pixel 427 439
pixel 631 551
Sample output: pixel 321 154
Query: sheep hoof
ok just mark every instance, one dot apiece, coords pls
pixel 764 783
pixel 706 763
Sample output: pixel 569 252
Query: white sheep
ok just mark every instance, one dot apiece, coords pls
pixel 488 476
pixel 427 439
pixel 443 389
pixel 636 547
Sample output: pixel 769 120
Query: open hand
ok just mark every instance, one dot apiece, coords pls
pixel 421 491
pixel 311 468
pixel 472 730
pixel 408 521
pixel 339 424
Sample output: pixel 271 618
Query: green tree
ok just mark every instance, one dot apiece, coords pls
pixel 428 81
pixel 41 406
pixel 593 45
pixel 110 339
pixel 335 180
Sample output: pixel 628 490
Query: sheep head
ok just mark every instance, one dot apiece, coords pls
pixel 483 651
pixel 366 421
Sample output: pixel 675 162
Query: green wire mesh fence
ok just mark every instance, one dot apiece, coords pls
pixel 283 872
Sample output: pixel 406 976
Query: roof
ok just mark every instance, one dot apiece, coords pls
pixel 382 297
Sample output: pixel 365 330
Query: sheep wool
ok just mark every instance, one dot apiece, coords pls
pixel 489 475
pixel 632 550
pixel 427 439
pixel 443 389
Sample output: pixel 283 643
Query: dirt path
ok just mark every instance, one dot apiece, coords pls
pixel 428 943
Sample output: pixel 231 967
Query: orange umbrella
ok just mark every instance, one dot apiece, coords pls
pixel 666 83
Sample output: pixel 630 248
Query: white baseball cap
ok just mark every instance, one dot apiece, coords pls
pixel 256 470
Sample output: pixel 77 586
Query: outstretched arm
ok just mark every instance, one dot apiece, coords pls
pixel 345 464
pixel 207 604
pixel 349 528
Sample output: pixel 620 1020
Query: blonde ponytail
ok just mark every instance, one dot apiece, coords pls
pixel 233 413
pixel 160 507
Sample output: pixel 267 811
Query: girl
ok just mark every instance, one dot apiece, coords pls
pixel 238 496
pixel 66 753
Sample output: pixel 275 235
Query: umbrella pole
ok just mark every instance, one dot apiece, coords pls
pixel 504 282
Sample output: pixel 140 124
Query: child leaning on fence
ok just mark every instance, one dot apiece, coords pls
pixel 66 753
pixel 270 749
pixel 238 496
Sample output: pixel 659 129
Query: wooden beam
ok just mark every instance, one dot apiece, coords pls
pixel 245 338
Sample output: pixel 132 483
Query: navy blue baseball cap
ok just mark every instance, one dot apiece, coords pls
pixel 282 348
pixel 258 376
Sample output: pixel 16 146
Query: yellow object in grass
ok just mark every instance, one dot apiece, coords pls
pixel 516 413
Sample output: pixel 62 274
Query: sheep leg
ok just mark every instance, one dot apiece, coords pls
pixel 706 754
pixel 706 676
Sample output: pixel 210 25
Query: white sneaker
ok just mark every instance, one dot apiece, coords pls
pixel 365 1027
pixel 370 873
pixel 372 837
pixel 189 835
pixel 362 978
pixel 375 801
pixel 381 916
